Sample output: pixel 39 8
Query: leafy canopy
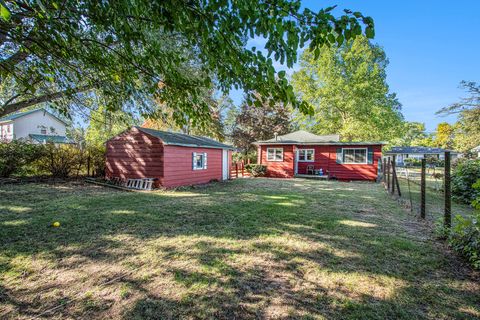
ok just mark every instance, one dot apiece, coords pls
pixel 348 89
pixel 136 52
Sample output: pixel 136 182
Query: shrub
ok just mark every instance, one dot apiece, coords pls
pixel 465 174
pixel 256 170
pixel 97 160
pixel 412 162
pixel 61 161
pixel 17 154
pixel 465 235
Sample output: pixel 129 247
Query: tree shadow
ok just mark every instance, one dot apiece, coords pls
pixel 192 238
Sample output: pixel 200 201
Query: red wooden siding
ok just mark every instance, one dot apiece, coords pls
pixel 179 170
pixel 325 158
pixel 278 169
pixel 134 154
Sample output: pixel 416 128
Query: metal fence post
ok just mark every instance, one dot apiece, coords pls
pixel 422 189
pixel 448 192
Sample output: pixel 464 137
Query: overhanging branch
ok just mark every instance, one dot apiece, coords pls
pixel 13 107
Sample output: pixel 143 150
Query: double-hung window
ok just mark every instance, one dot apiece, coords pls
pixel 306 155
pixel 199 161
pixel 274 154
pixel 355 155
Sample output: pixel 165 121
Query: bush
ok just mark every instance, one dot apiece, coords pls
pixel 17 154
pixel 465 235
pixel 96 155
pixel 465 174
pixel 412 162
pixel 61 161
pixel 256 170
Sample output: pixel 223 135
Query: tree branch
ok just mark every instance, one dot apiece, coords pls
pixel 13 107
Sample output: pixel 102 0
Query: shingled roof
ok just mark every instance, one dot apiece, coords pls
pixel 14 116
pixel 306 138
pixel 180 139
pixel 416 150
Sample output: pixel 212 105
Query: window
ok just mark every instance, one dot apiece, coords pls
pixel 355 155
pixel 306 155
pixel 199 161
pixel 8 128
pixel 274 154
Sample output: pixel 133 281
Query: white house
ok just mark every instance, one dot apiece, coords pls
pixel 403 153
pixel 37 126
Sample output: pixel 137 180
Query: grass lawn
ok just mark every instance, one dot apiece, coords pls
pixel 246 249
pixel 434 201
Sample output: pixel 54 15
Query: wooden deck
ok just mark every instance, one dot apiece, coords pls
pixel 311 176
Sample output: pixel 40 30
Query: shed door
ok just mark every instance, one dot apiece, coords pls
pixel 225 164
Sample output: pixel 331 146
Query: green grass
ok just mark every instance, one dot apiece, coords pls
pixel 434 200
pixel 246 249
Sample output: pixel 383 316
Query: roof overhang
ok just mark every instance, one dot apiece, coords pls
pixel 263 143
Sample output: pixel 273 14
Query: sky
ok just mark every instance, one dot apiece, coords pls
pixel 432 45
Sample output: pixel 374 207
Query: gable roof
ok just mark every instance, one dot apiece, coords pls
pixel 419 150
pixel 14 116
pixel 180 139
pixel 306 138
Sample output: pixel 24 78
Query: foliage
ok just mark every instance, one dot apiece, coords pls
pixel 137 52
pixel 411 133
pixel 465 237
pixel 465 173
pixel 412 162
pixel 167 118
pixel 61 161
pixel 444 136
pixel 348 89
pixel 104 125
pixel 17 154
pixel 259 123
pixel 256 170
pixel 467 128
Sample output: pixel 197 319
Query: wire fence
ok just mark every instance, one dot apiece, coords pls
pixel 406 184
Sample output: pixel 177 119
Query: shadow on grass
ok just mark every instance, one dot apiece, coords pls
pixel 362 236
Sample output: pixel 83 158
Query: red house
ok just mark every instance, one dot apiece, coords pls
pixel 302 153
pixel 174 159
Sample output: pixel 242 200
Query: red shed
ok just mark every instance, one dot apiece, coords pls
pixel 302 153
pixel 174 159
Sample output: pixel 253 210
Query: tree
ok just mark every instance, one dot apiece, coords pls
pixel 167 118
pixel 347 87
pixel 104 125
pixel 444 136
pixel 255 123
pixel 143 50
pixel 467 128
pixel 412 134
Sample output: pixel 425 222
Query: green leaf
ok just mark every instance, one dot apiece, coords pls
pixel 281 74
pixel 4 12
pixel 370 32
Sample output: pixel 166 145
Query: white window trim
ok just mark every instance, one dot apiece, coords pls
pixel 343 155
pixel 305 150
pixel 274 155
pixel 194 163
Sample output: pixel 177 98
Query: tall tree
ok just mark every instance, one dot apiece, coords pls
pixel 255 123
pixel 149 49
pixel 444 136
pixel 348 89
pixel 467 128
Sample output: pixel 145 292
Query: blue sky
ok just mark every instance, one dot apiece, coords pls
pixel 431 45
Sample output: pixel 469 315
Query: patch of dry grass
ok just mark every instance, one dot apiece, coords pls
pixel 246 249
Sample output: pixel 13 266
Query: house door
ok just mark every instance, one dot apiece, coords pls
pixel 224 164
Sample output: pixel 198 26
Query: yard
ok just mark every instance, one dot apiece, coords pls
pixel 246 249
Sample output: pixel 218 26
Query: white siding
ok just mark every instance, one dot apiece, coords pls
pixel 32 124
pixel 6 131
